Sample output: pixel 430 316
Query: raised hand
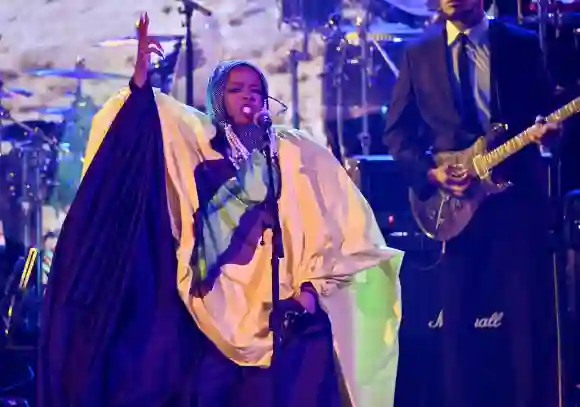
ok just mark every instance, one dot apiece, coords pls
pixel 145 47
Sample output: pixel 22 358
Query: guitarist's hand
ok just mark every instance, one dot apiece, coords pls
pixel 453 178
pixel 544 132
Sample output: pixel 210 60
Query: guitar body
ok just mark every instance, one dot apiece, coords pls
pixel 443 216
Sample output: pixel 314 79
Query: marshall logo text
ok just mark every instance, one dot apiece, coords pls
pixel 494 321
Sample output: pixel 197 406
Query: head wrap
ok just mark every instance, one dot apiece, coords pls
pixel 216 88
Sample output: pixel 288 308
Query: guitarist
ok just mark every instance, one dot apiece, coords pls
pixel 460 77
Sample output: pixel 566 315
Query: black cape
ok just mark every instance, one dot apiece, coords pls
pixel 114 330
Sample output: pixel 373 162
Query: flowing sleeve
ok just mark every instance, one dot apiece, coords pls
pixel 355 273
pixel 133 100
pixel 112 282
pixel 342 234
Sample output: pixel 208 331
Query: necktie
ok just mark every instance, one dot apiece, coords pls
pixel 469 115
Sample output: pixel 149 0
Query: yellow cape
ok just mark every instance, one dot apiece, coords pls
pixel 330 237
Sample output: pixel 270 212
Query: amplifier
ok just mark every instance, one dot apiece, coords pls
pixel 380 179
pixel 382 182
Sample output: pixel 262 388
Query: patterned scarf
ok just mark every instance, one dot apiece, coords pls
pixel 221 220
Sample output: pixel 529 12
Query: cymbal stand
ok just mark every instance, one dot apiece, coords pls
pixel 337 36
pixel 31 199
pixel 364 136
pixel 295 57
pixel 4 114
pixel 543 16
pixel 80 65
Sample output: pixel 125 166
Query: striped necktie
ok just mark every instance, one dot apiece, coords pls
pixel 469 115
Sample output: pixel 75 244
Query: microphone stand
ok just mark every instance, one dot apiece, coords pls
pixel 543 17
pixel 276 323
pixel 295 57
pixel 364 136
pixel 189 6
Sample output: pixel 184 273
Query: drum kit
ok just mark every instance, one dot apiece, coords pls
pixel 41 163
pixel 364 40
pixel 41 160
pixel 40 168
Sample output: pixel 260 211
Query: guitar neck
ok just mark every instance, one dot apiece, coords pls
pixel 515 144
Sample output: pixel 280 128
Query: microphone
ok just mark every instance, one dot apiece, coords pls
pixel 263 120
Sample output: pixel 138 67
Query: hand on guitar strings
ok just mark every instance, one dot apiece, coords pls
pixel 543 132
pixel 453 178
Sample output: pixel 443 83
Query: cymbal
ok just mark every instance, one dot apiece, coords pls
pixel 76 73
pixel 382 32
pixel 7 93
pixel 54 110
pixel 132 40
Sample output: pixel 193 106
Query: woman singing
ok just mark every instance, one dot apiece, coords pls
pixel 161 287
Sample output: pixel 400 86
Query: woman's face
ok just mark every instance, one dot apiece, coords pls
pixel 243 92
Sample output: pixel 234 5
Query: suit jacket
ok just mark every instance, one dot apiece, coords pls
pixel 423 114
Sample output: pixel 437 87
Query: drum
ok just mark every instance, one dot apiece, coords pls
pixel 343 62
pixel 17 174
pixel 308 14
pixel 16 145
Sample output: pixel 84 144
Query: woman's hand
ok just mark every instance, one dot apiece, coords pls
pixel 145 47
pixel 307 300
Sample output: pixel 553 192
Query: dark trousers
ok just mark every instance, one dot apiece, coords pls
pixel 306 368
pixel 499 330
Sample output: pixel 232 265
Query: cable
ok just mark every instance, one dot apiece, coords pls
pixel 30 378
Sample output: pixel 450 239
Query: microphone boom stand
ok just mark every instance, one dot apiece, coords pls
pixel 189 6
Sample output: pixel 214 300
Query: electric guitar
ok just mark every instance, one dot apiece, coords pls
pixel 444 216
